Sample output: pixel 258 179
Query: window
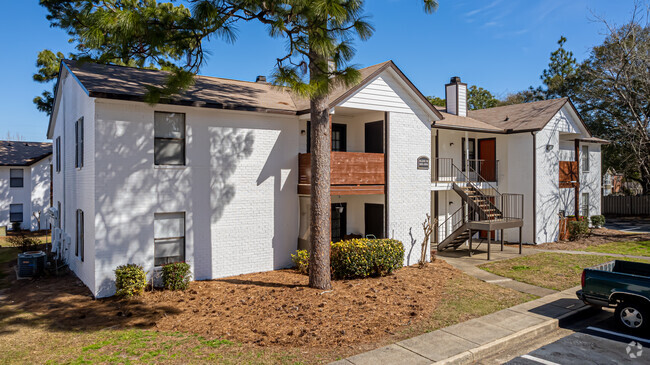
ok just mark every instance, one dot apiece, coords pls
pixel 585 205
pixel 58 154
pixel 339 137
pixel 79 243
pixel 169 143
pixel 16 178
pixel 16 212
pixel 169 238
pixel 471 153
pixel 585 159
pixel 79 143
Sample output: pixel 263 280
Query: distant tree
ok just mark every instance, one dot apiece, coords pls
pixel 48 64
pixel 436 101
pixel 562 69
pixel 14 137
pixel 612 94
pixel 479 98
pixel 525 96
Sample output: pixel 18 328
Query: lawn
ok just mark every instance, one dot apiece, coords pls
pixel 41 236
pixel 264 318
pixel 557 271
pixel 638 248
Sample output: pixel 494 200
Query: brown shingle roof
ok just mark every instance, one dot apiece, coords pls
pixel 520 117
pixel 120 82
pixel 20 153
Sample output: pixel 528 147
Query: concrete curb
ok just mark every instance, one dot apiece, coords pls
pixel 476 339
pixel 492 348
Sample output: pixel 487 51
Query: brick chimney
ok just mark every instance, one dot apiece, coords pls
pixel 456 97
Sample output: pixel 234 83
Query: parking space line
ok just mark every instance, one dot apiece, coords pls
pixel 537 359
pixel 619 334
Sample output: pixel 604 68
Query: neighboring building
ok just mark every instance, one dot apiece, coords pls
pixel 612 182
pixel 219 177
pixel 24 183
pixel 530 162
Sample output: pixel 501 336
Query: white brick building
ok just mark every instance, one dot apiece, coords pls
pixel 219 177
pixel 24 184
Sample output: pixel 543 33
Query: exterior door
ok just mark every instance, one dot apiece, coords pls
pixel 374 137
pixel 487 153
pixel 374 219
pixel 339 137
pixel 338 221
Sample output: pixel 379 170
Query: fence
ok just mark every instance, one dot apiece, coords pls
pixel 626 205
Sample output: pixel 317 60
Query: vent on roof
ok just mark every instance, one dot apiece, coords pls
pixel 261 78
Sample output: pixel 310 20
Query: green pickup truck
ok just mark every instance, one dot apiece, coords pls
pixel 621 284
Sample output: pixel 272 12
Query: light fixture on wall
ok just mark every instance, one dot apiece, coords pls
pixel 340 207
pixel 451 144
pixel 303 132
pixel 549 147
pixel 451 203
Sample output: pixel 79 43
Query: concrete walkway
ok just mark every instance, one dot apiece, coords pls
pixel 461 260
pixel 470 341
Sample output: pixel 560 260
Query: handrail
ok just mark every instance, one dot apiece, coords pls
pixel 460 216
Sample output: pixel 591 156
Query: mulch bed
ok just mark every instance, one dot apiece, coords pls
pixel 599 236
pixel 266 309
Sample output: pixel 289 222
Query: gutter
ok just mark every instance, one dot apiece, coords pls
pixel 534 187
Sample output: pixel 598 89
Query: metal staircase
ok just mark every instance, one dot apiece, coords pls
pixel 484 208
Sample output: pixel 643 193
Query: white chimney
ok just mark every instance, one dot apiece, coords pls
pixel 456 97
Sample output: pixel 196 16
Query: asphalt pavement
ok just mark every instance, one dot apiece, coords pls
pixel 601 342
pixel 632 225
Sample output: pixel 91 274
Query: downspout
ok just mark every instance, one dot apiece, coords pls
pixel 534 187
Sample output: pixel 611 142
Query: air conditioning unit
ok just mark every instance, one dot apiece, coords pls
pixel 31 263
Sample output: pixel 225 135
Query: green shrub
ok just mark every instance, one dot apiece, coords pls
pixel 597 220
pixel 23 242
pixel 130 280
pixel 359 258
pixel 578 229
pixel 176 276
pixel 301 261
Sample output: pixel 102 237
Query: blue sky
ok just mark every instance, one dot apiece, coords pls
pixel 501 45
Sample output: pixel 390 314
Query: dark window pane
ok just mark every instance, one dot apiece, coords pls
pixel 169 152
pixel 16 182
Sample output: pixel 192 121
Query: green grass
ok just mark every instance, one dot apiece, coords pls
pixel 640 248
pixel 136 346
pixel 557 271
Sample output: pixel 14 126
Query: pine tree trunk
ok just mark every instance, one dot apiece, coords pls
pixel 319 260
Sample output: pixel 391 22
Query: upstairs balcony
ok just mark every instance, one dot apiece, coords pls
pixel 569 176
pixel 352 173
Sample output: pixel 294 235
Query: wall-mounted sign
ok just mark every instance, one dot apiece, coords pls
pixel 423 163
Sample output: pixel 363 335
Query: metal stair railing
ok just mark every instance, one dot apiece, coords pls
pixel 452 223
pixel 491 190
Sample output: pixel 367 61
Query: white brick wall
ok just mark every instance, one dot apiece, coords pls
pixel 409 197
pixel 238 190
pixel 9 195
pixel 40 192
pixel 77 191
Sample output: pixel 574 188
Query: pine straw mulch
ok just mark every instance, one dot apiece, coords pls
pixel 598 236
pixel 265 309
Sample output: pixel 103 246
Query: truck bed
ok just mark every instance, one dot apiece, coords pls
pixel 624 267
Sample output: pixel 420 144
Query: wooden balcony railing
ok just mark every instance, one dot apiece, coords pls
pixel 568 174
pixel 351 173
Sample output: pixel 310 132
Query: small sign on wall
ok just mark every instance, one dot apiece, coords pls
pixel 423 163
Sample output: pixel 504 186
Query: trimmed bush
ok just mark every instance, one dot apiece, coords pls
pixel 176 276
pixel 130 280
pixel 597 221
pixel 301 261
pixel 578 229
pixel 359 258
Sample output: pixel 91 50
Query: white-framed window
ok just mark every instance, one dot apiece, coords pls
pixel 169 138
pixel 16 178
pixel 57 147
pixel 79 143
pixel 584 205
pixel 585 158
pixel 79 243
pixel 169 238
pixel 15 212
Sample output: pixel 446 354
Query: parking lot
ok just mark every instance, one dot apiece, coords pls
pixel 598 341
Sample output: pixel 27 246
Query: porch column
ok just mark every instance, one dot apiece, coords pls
pixel 577 185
